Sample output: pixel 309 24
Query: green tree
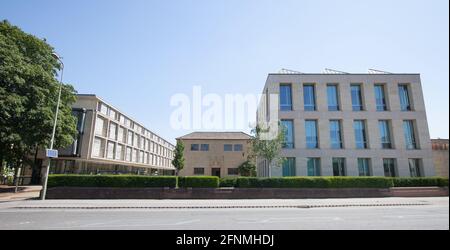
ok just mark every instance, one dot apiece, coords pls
pixel 268 150
pixel 248 168
pixel 178 159
pixel 28 96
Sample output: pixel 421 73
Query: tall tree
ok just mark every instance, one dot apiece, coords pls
pixel 178 159
pixel 28 96
pixel 266 149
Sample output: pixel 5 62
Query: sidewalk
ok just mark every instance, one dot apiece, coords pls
pixel 24 193
pixel 229 204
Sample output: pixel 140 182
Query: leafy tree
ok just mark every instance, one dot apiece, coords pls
pixel 268 149
pixel 178 159
pixel 28 97
pixel 248 168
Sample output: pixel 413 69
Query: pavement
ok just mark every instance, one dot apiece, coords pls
pixel 24 193
pixel 334 214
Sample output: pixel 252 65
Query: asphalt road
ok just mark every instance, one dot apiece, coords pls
pixel 434 215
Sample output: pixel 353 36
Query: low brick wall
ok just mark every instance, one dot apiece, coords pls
pixel 238 193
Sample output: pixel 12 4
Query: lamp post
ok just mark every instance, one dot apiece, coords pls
pixel 44 186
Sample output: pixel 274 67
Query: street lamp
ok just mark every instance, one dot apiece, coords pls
pixel 44 187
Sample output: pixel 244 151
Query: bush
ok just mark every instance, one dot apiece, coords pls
pixel 198 181
pixel 315 182
pixel 227 182
pixel 111 181
pixel 421 182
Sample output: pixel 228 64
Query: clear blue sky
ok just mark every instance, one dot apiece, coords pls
pixel 137 53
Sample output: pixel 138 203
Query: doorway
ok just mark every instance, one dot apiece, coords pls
pixel 215 172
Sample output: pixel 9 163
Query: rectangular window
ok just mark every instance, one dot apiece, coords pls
pixel 380 97
pixel 102 108
pixel 110 150
pixel 415 168
pixel 309 97
pixel 112 114
pixel 238 147
pixel 389 168
pixel 119 152
pixel 199 171
pixel 288 127
pixel 333 97
pixel 364 167
pixel 360 134
pixel 289 167
pixel 128 154
pixel 233 171
pixel 285 97
pixel 385 134
pixel 312 140
pixel 100 127
pixel 135 155
pixel 335 134
pixel 195 147
pixel 97 147
pixel 121 134
pixel 405 101
pixel 357 101
pixel 136 140
pixel 410 137
pixel 130 138
pixel 141 157
pixel 204 147
pixel 313 165
pixel 227 147
pixel 112 131
pixel 339 167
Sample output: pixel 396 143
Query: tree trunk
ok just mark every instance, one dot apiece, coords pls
pixel 36 169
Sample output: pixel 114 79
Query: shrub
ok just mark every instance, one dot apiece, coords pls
pixel 198 181
pixel 420 182
pixel 111 181
pixel 227 182
pixel 315 182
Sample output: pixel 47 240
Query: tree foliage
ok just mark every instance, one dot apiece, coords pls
pixel 248 169
pixel 268 150
pixel 178 159
pixel 28 96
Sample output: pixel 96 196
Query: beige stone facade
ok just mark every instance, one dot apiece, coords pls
pixel 440 156
pixel 111 142
pixel 403 159
pixel 214 153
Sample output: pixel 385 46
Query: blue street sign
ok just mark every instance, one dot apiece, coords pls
pixel 51 153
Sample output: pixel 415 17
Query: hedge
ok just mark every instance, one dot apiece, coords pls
pixel 132 181
pixel 315 182
pixel 421 182
pixel 198 181
pixel 228 182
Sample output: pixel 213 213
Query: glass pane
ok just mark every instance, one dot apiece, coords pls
pixel 309 97
pixel 405 104
pixel 289 133
pixel 385 134
pixel 408 129
pixel 339 167
pixel 335 134
pixel 311 134
pixel 227 147
pixel 289 167
pixel 333 104
pixel 380 98
pixel 285 98
pixel 356 98
pixel 313 167
pixel 363 167
pixel 360 134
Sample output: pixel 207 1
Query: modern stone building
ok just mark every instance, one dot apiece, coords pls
pixel 214 153
pixel 440 156
pixel 341 124
pixel 110 142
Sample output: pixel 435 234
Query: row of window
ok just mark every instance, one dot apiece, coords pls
pixel 360 132
pixel 230 171
pixel 114 115
pixel 364 167
pixel 334 104
pixel 126 136
pixel 226 147
pixel 117 151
